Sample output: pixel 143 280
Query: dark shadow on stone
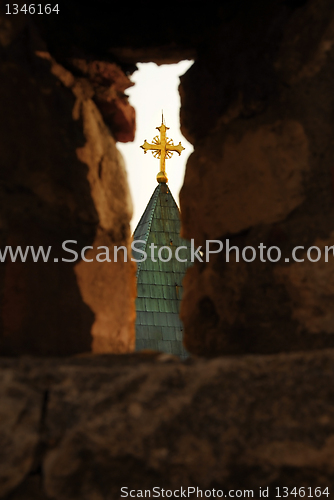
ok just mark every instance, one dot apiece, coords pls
pixel 45 199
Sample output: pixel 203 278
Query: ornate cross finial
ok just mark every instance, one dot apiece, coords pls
pixel 162 148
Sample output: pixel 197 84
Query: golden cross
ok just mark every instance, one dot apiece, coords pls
pixel 162 148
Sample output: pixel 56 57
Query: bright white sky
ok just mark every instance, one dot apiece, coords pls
pixel 155 89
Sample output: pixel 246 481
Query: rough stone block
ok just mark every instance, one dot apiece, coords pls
pixel 147 420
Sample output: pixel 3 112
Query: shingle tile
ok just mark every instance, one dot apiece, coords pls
pixel 179 335
pixel 149 319
pixel 142 332
pixel 156 292
pixel 140 344
pixel 152 305
pixel 173 320
pixel 140 304
pixel 163 305
pixel 160 319
pixel 143 290
pixel 168 334
pixel 165 346
pixel 176 347
pixel 154 333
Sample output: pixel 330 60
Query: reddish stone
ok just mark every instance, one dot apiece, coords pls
pixel 109 83
pixel 120 117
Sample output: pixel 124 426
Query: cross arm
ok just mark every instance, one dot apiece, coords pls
pixel 179 148
pixel 146 146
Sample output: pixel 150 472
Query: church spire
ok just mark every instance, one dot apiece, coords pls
pixel 162 148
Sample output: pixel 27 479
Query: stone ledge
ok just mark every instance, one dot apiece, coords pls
pixel 83 427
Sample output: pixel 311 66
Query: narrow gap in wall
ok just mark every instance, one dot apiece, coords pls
pixel 155 89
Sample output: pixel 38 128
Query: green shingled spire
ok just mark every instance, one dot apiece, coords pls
pixel 159 284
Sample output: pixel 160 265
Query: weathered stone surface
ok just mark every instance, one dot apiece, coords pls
pixel 109 84
pixel 62 178
pixel 153 421
pixel 113 329
pixel 132 35
pixel 253 179
pixel 20 418
pixel 166 54
pixel 311 287
pixel 257 104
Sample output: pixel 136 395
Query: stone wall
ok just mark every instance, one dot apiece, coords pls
pixel 81 429
pixel 258 106
pixel 62 178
